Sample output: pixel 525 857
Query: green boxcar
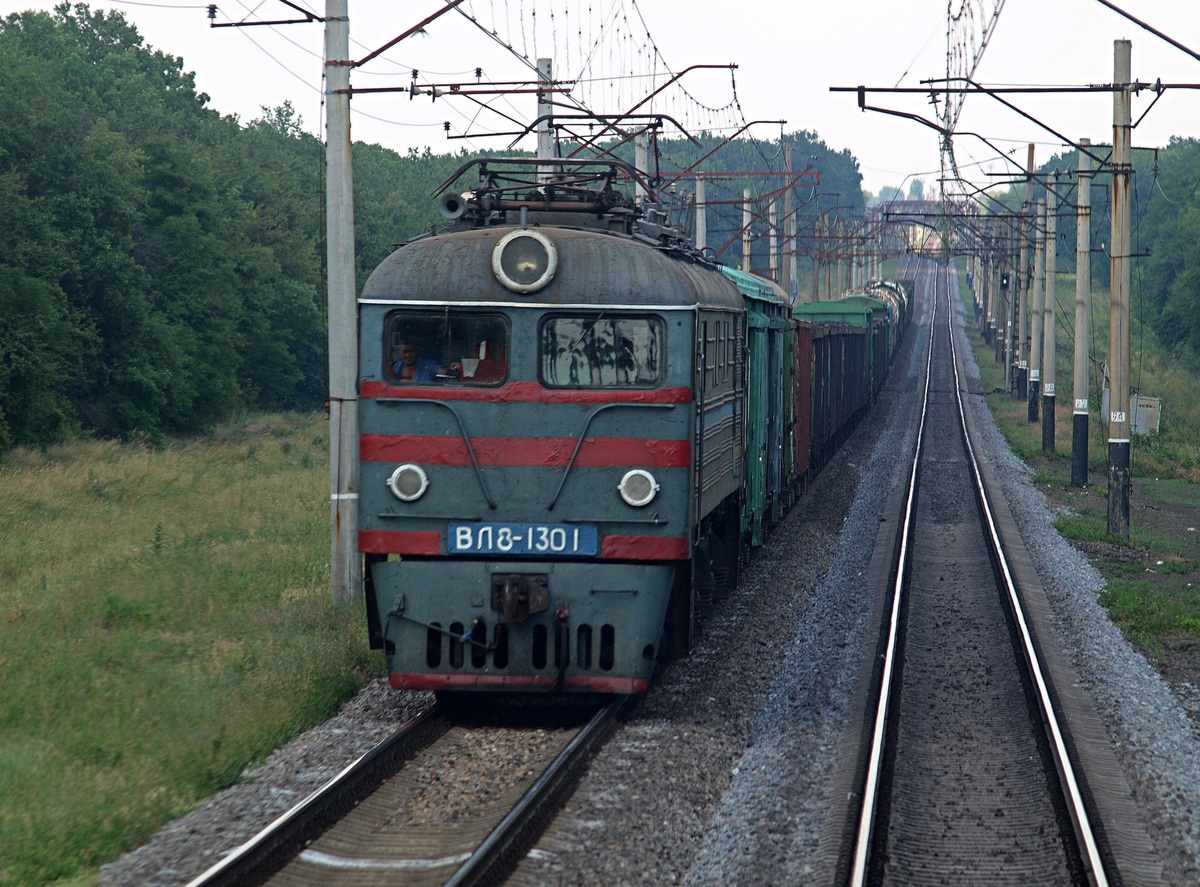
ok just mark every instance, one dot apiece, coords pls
pixel 767 354
pixel 882 324
pixel 841 386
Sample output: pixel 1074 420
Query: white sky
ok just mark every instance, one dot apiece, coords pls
pixel 789 54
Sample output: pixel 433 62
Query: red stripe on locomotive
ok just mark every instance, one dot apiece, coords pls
pixel 526 392
pixel 519 452
pixel 644 548
pixel 400 541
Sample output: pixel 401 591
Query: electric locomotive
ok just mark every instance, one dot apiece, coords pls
pixel 552 436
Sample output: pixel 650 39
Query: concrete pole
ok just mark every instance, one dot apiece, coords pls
pixel 1004 262
pixel 827 260
pixel 1083 320
pixel 839 262
pixel 1036 311
pixel 971 269
pixel 819 232
pixel 746 218
pixel 641 162
pixel 846 246
pixel 834 269
pixel 994 309
pixel 997 306
pixel 789 231
pixel 545 107
pixel 992 261
pixel 1023 282
pixel 345 565
pixel 972 263
pixel 701 214
pixel 850 250
pixel 1049 370
pixel 773 240
pixel 987 297
pixel 984 269
pixel 1011 300
pixel 984 264
pixel 1000 331
pixel 1118 324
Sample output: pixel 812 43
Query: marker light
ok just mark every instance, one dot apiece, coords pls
pixel 638 487
pixel 409 482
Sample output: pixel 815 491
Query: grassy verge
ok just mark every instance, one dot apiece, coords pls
pixel 1152 589
pixel 165 620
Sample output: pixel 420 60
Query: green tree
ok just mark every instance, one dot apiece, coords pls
pixel 39 361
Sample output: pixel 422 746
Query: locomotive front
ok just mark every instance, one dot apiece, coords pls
pixel 526 455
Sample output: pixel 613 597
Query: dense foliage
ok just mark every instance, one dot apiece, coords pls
pixel 161 266
pixel 1168 225
pixel 158 263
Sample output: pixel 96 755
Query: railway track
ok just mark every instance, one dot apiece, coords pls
pixel 442 801
pixel 969 773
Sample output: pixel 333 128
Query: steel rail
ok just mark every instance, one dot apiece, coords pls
pixel 1075 804
pixel 268 851
pixel 867 816
pixel 498 850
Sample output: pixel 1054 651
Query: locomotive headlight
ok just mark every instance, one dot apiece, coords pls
pixel 525 260
pixel 638 487
pixel 409 482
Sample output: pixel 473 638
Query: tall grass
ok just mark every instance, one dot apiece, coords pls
pixel 1173 451
pixel 165 619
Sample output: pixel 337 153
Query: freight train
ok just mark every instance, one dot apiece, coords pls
pixel 574 428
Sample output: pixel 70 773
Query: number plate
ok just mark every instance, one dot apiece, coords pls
pixel 557 540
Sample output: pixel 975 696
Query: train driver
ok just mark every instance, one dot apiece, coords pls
pixel 411 367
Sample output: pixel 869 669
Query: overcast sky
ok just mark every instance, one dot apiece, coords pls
pixel 788 56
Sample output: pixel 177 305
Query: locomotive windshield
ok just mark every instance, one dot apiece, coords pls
pixel 446 347
pixel 601 351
